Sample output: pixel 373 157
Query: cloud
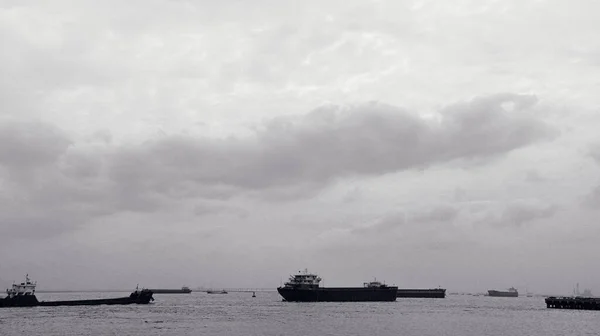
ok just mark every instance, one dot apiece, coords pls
pixel 534 176
pixel 332 142
pixel 435 224
pixel 30 145
pixel 594 152
pixel 206 208
pixel 592 199
pixel 519 213
pixel 440 227
pixel 354 195
pixel 515 213
pixel 437 214
pixel 286 158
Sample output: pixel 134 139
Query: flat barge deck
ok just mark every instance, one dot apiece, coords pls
pixel 582 303
pixel 439 293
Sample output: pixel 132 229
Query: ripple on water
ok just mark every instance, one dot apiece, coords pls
pixel 240 314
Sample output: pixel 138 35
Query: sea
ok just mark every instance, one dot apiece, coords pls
pixel 238 313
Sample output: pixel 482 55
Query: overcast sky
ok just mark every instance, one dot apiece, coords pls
pixel 230 143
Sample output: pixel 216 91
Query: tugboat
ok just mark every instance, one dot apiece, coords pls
pixel 23 295
pixel 512 292
pixel 304 287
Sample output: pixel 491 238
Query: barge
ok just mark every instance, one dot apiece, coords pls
pixel 23 295
pixel 439 293
pixel 578 302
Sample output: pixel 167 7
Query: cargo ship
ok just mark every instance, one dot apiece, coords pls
pixel 304 287
pixel 23 295
pixel 439 293
pixel 212 291
pixel 512 292
pixel 183 290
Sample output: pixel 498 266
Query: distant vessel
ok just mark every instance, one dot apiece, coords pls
pixel 528 293
pixel 586 292
pixel 439 293
pixel 512 292
pixel 222 291
pixel 23 295
pixel 305 288
pixel 183 290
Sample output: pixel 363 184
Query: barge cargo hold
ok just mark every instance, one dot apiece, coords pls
pixel 23 295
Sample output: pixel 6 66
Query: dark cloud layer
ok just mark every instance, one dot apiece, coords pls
pixel 30 145
pixel 332 142
pixel 287 157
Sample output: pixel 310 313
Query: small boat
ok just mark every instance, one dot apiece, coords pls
pixel 253 294
pixel 222 291
pixel 23 295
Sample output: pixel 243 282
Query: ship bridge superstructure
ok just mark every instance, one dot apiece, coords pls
pixel 374 284
pixel 303 280
pixel 24 288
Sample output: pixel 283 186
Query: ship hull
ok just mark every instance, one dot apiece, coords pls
pixel 20 301
pixel 584 303
pixel 341 294
pixel 421 293
pixel 495 293
pixel 31 301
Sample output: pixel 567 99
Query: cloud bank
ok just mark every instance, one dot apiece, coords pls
pixel 48 176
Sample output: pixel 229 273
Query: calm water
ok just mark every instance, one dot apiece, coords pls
pixel 240 314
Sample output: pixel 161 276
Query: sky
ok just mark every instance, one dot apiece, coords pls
pixel 232 143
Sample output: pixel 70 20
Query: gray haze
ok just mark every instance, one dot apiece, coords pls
pixel 231 143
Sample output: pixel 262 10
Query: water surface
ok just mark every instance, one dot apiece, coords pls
pixel 240 314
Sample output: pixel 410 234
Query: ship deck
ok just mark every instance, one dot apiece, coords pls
pixel 582 303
